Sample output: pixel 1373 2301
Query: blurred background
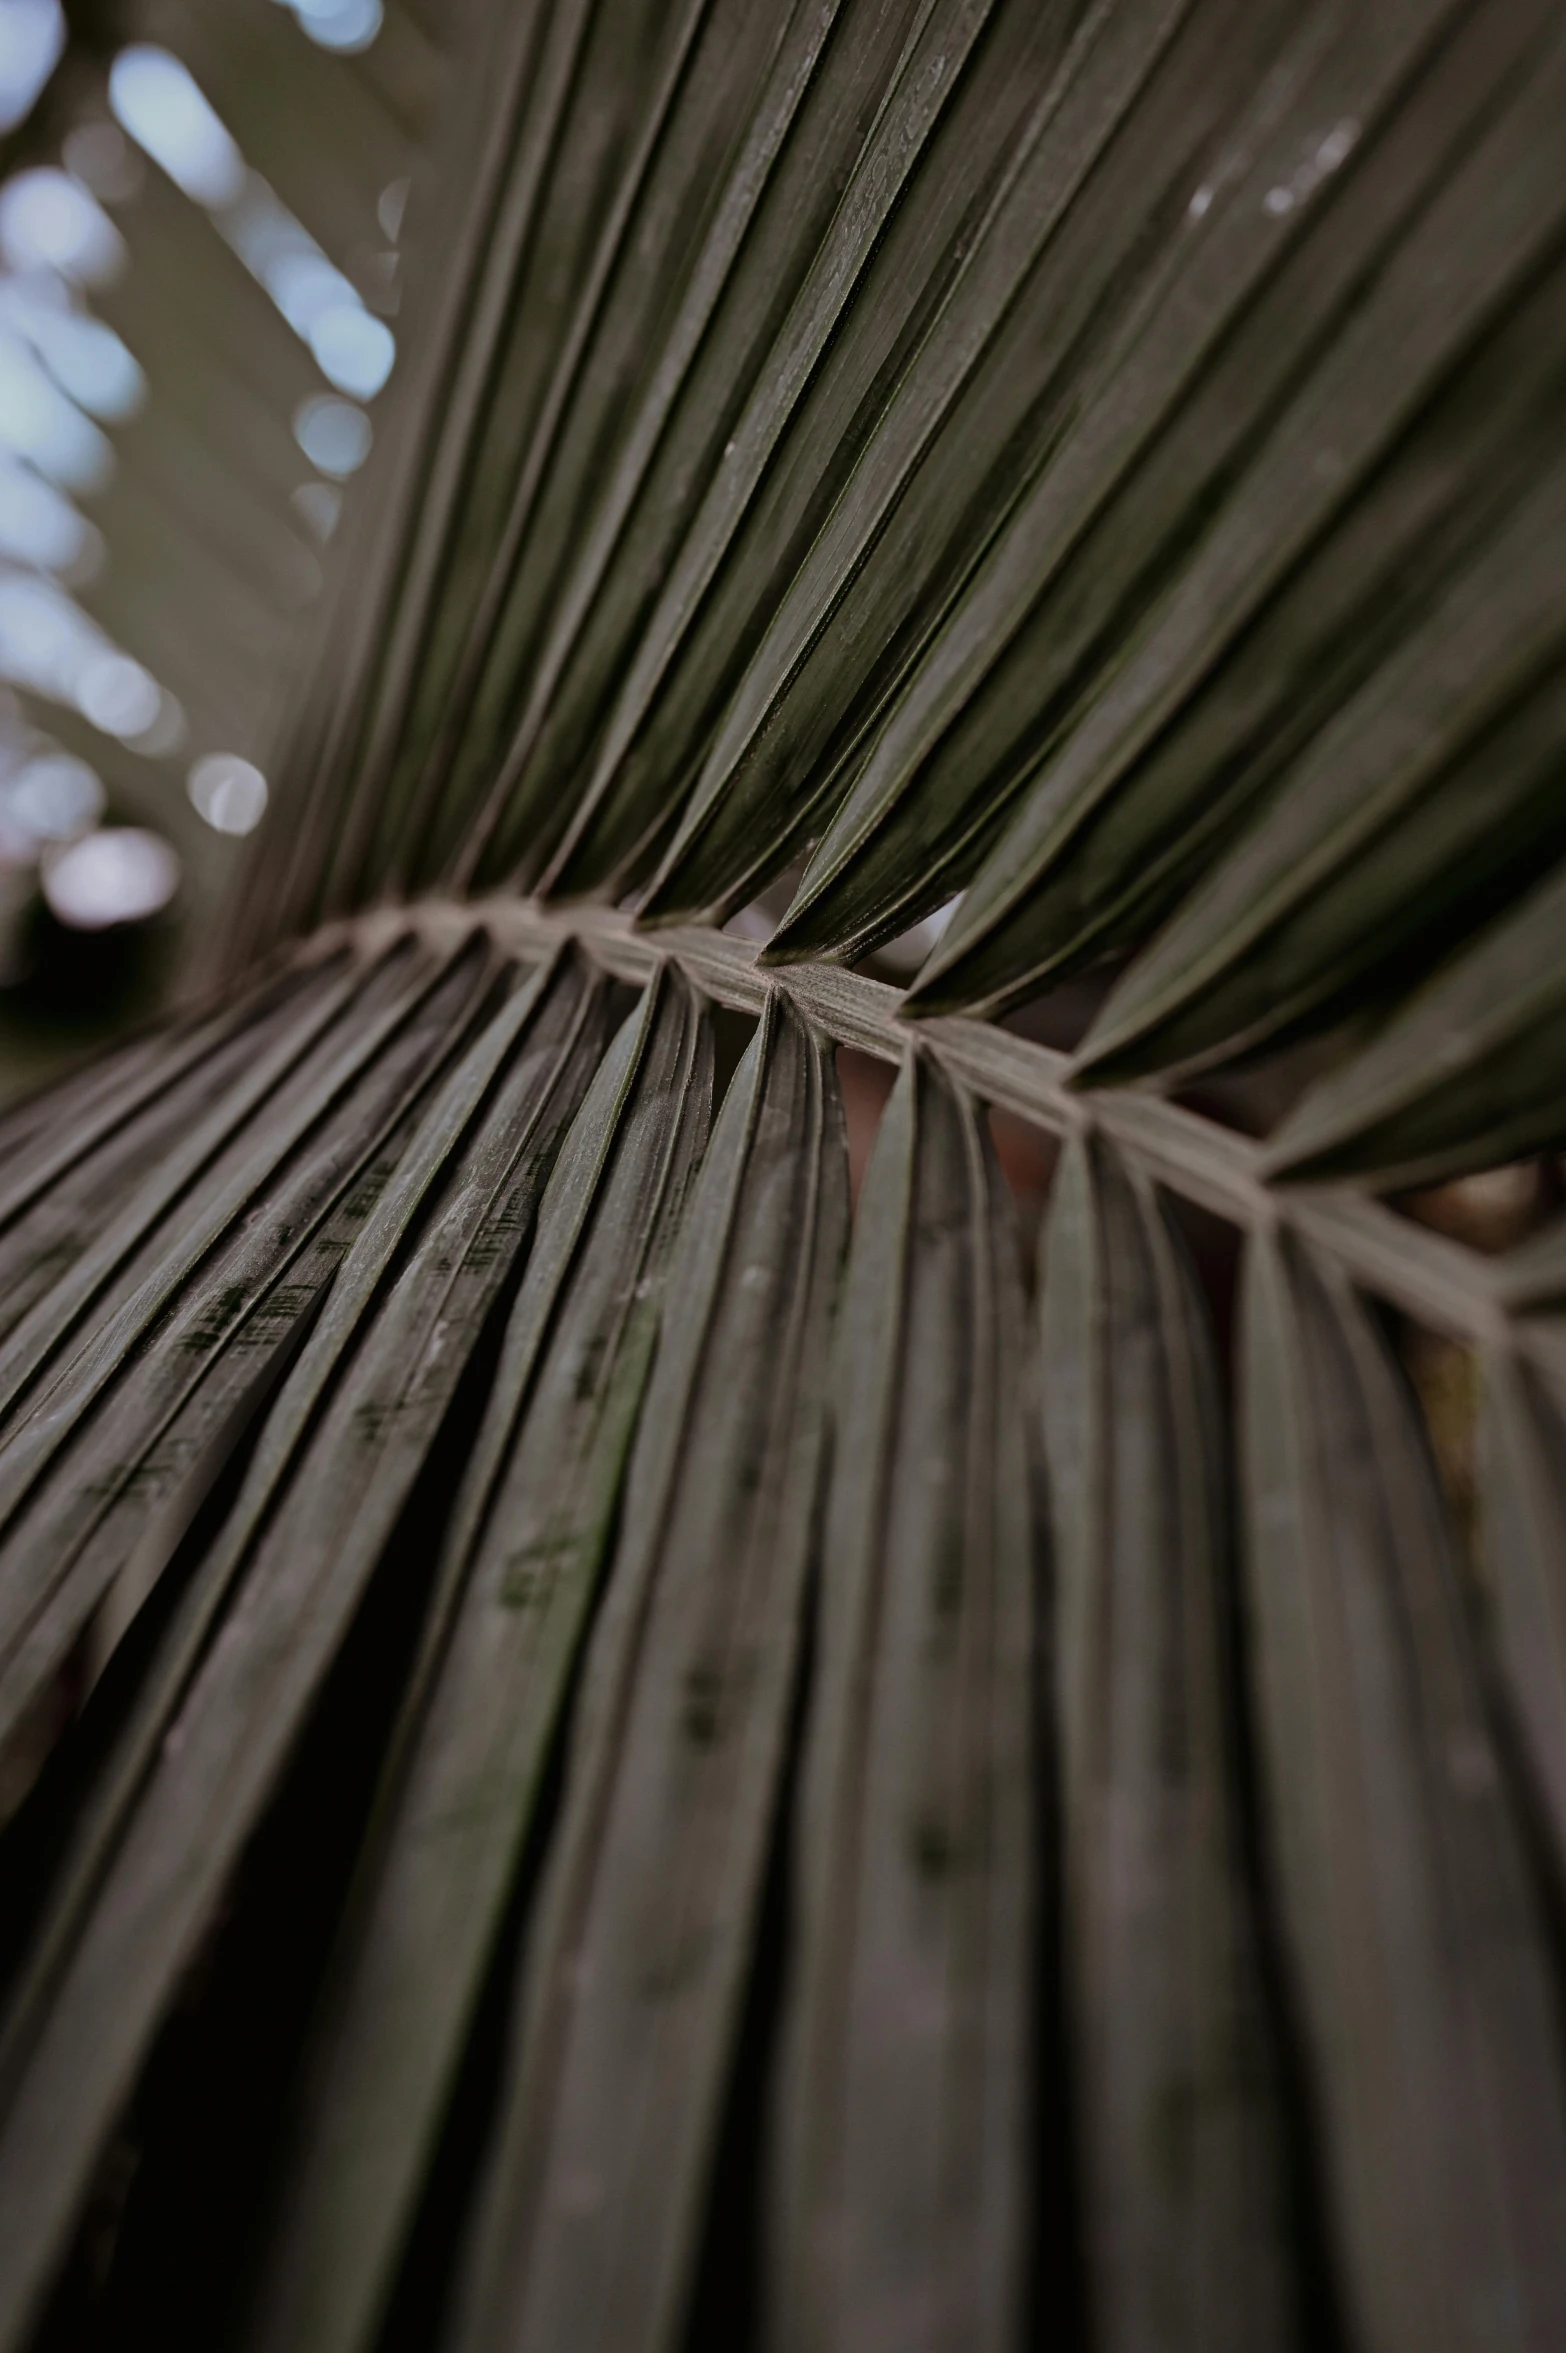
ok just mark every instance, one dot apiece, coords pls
pixel 203 218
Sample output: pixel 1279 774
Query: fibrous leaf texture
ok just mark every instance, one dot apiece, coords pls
pixel 631 1993
pixel 768 1754
pixel 1416 1937
pixel 898 2198
pixel 1179 2109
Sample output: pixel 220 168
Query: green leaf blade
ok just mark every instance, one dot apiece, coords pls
pixel 520 1573
pixel 1412 1930
pixel 155 1870
pixel 1432 789
pixel 1469 1072
pixel 1491 220
pixel 897 2197
pixel 593 2203
pixel 1182 2168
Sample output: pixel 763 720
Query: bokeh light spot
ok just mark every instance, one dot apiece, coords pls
pixel 353 350
pixel 53 797
pixel 333 434
pixel 118 875
pixel 118 695
pixel 164 111
pixel 230 793
pixel 39 525
pixel 49 221
pixel 344 25
pixel 32 35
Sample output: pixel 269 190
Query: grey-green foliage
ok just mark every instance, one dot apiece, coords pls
pixel 630 1996
pixel 1462 1073
pixel 1180 2114
pixel 898 2199
pixel 1004 450
pixel 309 1559
pixel 879 1811
pixel 1431 787
pixel 1460 169
pixel 1524 1524
pixel 520 1574
pixel 114 1501
pixel 1416 1938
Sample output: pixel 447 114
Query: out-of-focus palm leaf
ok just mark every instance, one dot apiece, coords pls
pixel 999 368
pixel 1183 2177
pixel 898 2200
pixel 1415 1940
pixel 520 1575
pixel 1534 1274
pixel 997 691
pixel 1433 790
pixel 207 1176
pixel 90 1516
pixel 1470 1071
pixel 1099 457
pixel 1524 1507
pixel 888 100
pixel 312 1560
pixel 1490 216
pixel 1349 604
pixel 589 2221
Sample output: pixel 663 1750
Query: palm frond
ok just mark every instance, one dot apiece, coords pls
pixel 1181 2119
pixel 898 2177
pixel 1415 1936
pixel 522 1566
pixel 756 1785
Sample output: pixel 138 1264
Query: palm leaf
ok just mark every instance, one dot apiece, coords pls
pixel 590 2215
pixel 1523 1459
pixel 835 1832
pixel 903 2109
pixel 1181 2118
pixel 522 1567
pixel 1416 1942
